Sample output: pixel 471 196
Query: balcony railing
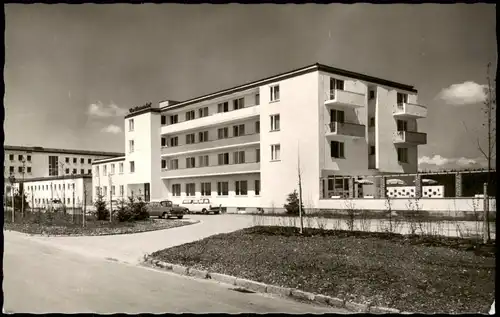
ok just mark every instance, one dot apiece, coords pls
pixel 211 144
pixel 345 98
pixel 346 129
pixel 409 110
pixel 213 120
pixel 410 137
pixel 212 170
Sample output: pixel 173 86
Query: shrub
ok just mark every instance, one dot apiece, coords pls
pixel 123 213
pixel 293 203
pixel 133 210
pixel 101 210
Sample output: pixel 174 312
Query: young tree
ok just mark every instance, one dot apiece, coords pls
pixel 100 206
pixel 292 206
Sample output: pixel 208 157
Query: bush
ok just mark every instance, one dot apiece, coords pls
pixel 101 210
pixel 293 204
pixel 133 210
pixel 17 201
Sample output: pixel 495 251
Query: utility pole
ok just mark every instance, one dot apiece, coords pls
pixel 300 190
pixel 21 188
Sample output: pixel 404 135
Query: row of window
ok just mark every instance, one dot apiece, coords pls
pixel 20 157
pixel 338 84
pixel 204 160
pixel 104 190
pixel 112 169
pixel 222 133
pixel 75 160
pixel 240 188
pixel 50 186
pixel 45 201
pixel 337 151
pixel 19 169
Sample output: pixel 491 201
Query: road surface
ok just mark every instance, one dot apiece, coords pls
pixel 42 278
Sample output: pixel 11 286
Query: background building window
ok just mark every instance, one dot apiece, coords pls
pixel 20 157
pixel 174 164
pixel 239 157
pixel 190 189
pixel 239 130
pixel 82 161
pixel 176 189
pixel 223 107
pixel 28 158
pixel 11 157
pixel 372 150
pixel 74 160
pixel 223 158
pixel 223 133
pixel 163 120
pixel 203 112
pixel 190 162
pixel 204 161
pixel 257 99
pixel 403 155
pixel 131 124
pixel 275 93
pixel 190 138
pixel 337 149
pixel 257 127
pixel 120 166
pixel 174 141
pixel 174 119
pixel 222 188
pixel 163 142
pixel 257 187
pixel 241 188
pixel 163 164
pixel 275 122
pixel 206 189
pixel 132 167
pixel 203 136
pixel 238 103
pixel 257 155
pixel 190 115
pixel 275 152
pixel 131 146
pixel 53 166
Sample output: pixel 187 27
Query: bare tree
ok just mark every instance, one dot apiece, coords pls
pixel 12 180
pixel 300 190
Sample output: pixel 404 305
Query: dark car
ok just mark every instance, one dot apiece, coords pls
pixel 166 209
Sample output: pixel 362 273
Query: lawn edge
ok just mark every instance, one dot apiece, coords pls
pixel 259 287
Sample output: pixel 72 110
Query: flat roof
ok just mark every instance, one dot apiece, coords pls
pixel 61 151
pixel 293 73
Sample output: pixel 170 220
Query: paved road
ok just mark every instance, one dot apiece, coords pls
pixel 39 278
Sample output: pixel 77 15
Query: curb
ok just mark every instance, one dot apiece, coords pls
pixel 259 287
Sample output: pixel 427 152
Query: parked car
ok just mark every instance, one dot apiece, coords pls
pixel 203 206
pixel 166 209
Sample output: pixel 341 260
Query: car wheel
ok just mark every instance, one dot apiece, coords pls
pixel 204 211
pixel 164 215
pixel 179 217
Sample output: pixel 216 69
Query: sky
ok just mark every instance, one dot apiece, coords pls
pixel 72 71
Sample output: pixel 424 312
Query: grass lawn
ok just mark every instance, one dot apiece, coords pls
pixel 64 225
pixel 412 274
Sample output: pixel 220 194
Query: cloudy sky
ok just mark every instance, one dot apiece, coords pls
pixel 72 71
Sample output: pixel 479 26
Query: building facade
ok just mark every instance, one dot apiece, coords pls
pixel 241 147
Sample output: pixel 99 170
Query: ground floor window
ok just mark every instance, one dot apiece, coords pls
pixel 206 189
pixel 241 188
pixel 176 189
pixel 257 187
pixel 222 188
pixel 190 189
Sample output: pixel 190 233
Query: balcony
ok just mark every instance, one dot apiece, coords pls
pixel 345 98
pixel 213 120
pixel 244 168
pixel 347 130
pixel 409 110
pixel 248 139
pixel 409 138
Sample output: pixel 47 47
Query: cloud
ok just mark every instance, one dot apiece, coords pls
pixel 111 110
pixel 112 129
pixel 444 162
pixel 465 93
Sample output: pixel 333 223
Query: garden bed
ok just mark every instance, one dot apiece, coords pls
pixel 65 225
pixel 415 274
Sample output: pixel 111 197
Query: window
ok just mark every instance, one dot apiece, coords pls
pixel 163 119
pixel 371 95
pixel 190 162
pixel 163 142
pixel 53 166
pixel 203 136
pixel 68 200
pixel 174 119
pixel 176 189
pixel 20 157
pixel 89 161
pixel 121 190
pixel 275 152
pixel 337 116
pixel 203 112
pixel 223 158
pixel 105 170
pixel 223 133
pixel 402 98
pixel 403 155
pixel 223 107
pixel 131 124
pixel 222 188
pixel 203 160
pixel 74 160
pixel 190 115
pixel 257 127
pixel 337 149
pixel 190 189
pixel 239 157
pixel 257 99
pixel 174 164
pixel 20 169
pixel 82 171
pixel 11 169
pixel 132 167
pixel 174 141
pixel 67 171
pixel 120 168
pixel 275 122
pixel 238 103
pixel 257 187
pixel 11 157
pixel 67 160
pixel 163 164
pixel 105 190
pixel 372 122
pixel 206 189
pixel 241 188
pixel 89 171
pixel 74 171
pixel 82 161
pixel 130 146
pixel 402 125
pixel 190 138
pixel 275 93
pixel 28 158
pixel 238 130
pixel 372 150
pixel 257 155
pixel 112 168
pixel 113 190
pixel 337 84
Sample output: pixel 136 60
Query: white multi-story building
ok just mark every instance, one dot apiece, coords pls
pixel 241 146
